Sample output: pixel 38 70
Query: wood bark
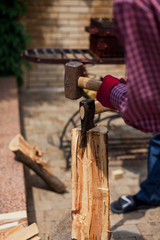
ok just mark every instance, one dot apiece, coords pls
pixel 31 157
pixel 90 188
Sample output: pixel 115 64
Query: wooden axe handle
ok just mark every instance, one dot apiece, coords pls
pixel 100 109
pixel 94 85
pixel 88 108
pixel 90 84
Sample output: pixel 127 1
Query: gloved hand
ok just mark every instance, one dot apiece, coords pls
pixel 103 94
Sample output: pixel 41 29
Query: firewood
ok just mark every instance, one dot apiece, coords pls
pixel 90 189
pixel 24 233
pixel 13 230
pixel 35 238
pixel 31 157
pixel 7 226
pixel 21 233
pixel 13 216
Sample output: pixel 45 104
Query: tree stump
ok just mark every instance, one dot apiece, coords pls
pixel 90 188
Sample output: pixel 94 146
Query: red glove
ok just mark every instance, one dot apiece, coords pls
pixel 103 94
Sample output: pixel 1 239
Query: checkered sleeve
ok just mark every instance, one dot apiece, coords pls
pixel 138 25
pixel 118 96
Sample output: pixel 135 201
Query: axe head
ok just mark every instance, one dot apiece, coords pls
pixel 87 111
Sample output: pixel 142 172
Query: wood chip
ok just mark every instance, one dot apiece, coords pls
pixel 117 174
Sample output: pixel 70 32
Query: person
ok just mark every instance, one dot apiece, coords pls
pixel 137 23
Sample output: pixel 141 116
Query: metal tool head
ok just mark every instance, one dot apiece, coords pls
pixel 87 111
pixel 73 70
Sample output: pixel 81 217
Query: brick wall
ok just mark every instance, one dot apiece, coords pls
pixel 61 24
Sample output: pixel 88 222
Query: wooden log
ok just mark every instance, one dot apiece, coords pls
pixel 31 157
pixel 90 189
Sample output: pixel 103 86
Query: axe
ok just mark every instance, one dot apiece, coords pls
pixel 74 82
pixel 88 108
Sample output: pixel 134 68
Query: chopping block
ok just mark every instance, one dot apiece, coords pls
pixel 90 188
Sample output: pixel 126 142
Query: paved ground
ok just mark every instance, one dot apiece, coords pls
pixel 44 114
pixel 12 186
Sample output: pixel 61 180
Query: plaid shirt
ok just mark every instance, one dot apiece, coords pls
pixel 138 25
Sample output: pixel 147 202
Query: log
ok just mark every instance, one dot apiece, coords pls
pixel 31 157
pixel 90 188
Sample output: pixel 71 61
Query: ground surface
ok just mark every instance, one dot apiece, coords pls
pixel 12 186
pixel 44 114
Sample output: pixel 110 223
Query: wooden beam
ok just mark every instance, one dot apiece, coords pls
pixel 90 189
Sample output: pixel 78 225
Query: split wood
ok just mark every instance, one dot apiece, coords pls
pixel 21 233
pixel 90 188
pixel 31 157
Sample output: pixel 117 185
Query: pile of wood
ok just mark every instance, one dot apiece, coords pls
pixel 20 232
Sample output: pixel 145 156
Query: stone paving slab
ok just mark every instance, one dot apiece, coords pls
pixel 44 113
pixel 12 186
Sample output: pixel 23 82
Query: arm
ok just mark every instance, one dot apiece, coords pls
pixel 138 25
